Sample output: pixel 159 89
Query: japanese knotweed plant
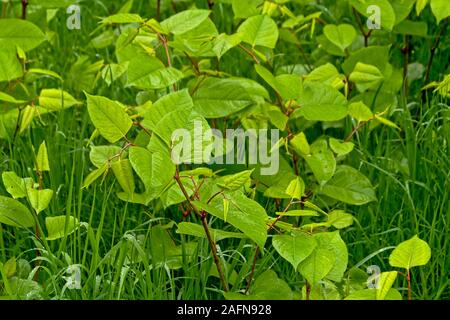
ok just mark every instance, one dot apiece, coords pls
pixel 178 72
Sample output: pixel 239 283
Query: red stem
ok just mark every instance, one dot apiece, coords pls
pixel 24 9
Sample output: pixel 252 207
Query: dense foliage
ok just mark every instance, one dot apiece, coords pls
pixel 100 200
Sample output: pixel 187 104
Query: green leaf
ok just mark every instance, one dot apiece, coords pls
pixel 226 208
pixel 295 247
pixel 28 115
pixel 321 103
pixel 234 181
pixel 100 155
pixel 60 227
pixel 402 9
pixel 440 9
pixel 371 294
pixel 299 213
pixel 94 175
pixel 124 174
pixel 385 283
pixel 197 230
pixel 113 71
pixel 333 242
pixel 420 5
pixel 217 98
pixel 321 161
pixel 184 132
pixel 350 186
pixel 377 56
pixel 413 28
pixel 14 213
pixel 16 186
pixel 327 74
pixel 300 144
pixel 45 72
pixel 266 287
pixel 386 122
pixel 317 265
pixel 206 172
pixel 411 253
pixel 360 111
pixel 10 267
pixel 25 289
pixel 122 18
pixel 7 98
pixel 342 35
pixel 259 30
pixel 341 148
pixel 185 21
pixel 108 117
pixel 180 100
pixel 296 188
pixel 39 199
pixel 10 67
pixel 56 99
pixel 147 72
pixel 245 214
pixel 288 86
pixel 19 33
pixel 141 160
pixel 386 11
pixel 224 42
pixel 155 169
pixel 245 9
pixel 179 128
pixel 339 219
pixel 198 41
pixel 42 159
pixel 366 76
pixel 329 47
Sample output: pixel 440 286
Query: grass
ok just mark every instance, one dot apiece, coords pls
pixel 410 169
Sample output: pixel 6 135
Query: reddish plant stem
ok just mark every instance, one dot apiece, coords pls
pixel 37 232
pixel 408 279
pixel 406 52
pixel 295 157
pixel 366 35
pixel 355 130
pixel 308 290
pixel 24 9
pixel 433 51
pixel 194 64
pixel 164 42
pixel 250 53
pixel 140 126
pixel 202 214
pixel 158 9
pixel 252 272
pixel 4 7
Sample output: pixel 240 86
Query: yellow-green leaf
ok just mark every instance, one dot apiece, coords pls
pixel 411 253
